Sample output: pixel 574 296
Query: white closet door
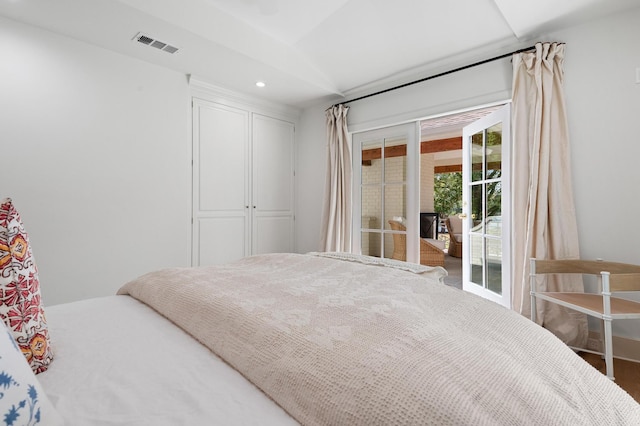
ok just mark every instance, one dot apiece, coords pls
pixel 273 170
pixel 220 183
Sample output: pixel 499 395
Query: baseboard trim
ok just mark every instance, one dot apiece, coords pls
pixel 623 348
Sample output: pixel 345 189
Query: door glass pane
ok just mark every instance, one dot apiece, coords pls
pixel 494 152
pixel 494 264
pixel 395 203
pixel 493 222
pixel 395 164
pixel 389 246
pixel 477 207
pixel 476 259
pixel 372 163
pixel 370 243
pixel 372 206
pixel 477 157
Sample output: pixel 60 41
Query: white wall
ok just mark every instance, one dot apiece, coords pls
pixel 427 176
pixel 481 85
pixel 95 152
pixel 311 154
pixel 603 100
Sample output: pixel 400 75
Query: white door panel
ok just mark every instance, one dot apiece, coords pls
pixel 221 214
pixel 272 234
pixel 486 211
pixel 273 164
pixel 222 157
pixel 273 169
pixel 220 240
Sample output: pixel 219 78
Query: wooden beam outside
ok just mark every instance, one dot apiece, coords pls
pixel 390 151
pixel 427 147
pixel 458 167
pixel 440 145
pixel 448 169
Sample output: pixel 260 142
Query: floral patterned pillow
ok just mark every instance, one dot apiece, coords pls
pixel 20 305
pixel 22 400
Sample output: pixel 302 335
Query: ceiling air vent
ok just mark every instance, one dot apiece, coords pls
pixel 150 41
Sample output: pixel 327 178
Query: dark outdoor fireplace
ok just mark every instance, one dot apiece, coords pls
pixel 429 224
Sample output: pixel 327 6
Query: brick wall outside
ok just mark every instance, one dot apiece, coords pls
pixel 396 196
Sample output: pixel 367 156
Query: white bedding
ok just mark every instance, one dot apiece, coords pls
pixel 334 342
pixel 338 342
pixel 117 362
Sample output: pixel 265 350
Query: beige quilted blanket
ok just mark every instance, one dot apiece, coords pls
pixel 338 342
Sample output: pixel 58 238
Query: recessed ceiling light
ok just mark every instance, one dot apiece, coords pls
pixel 260 84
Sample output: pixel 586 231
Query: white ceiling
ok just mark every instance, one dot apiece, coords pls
pixel 307 50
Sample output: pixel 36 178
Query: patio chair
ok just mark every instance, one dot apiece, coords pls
pixel 612 277
pixel 454 228
pixel 431 254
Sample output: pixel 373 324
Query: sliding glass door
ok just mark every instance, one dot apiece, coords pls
pixel 386 192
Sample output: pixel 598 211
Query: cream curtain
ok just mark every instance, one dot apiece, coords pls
pixel 544 219
pixel 336 216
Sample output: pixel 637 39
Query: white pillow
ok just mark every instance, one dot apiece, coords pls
pixel 400 219
pixel 22 399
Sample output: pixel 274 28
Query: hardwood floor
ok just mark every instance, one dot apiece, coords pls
pixel 627 373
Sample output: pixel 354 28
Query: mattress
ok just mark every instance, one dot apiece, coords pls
pixel 118 362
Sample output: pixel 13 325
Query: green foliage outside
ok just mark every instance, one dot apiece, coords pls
pixel 447 193
pixel 448 186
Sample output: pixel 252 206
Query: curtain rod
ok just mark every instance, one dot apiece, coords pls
pixel 438 75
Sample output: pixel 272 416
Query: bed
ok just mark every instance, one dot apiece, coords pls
pixel 314 339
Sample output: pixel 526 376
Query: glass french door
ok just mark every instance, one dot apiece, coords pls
pixel 486 207
pixel 385 208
